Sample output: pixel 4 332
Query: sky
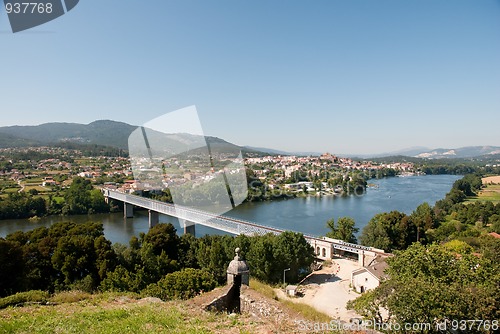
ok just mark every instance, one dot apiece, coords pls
pixel 345 77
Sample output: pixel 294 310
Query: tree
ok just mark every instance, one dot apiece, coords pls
pixel 431 284
pixel 182 284
pixel 187 251
pixel 163 237
pixel 82 198
pixel 270 254
pixel 12 264
pixel 214 254
pixel 82 251
pixel 423 219
pixel 344 229
pixel 261 259
pixel 388 231
pixel 456 196
pixel 458 247
pixel 291 250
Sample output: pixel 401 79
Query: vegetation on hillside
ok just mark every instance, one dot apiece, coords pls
pixel 160 263
pixel 434 284
pixel 446 266
pixel 449 219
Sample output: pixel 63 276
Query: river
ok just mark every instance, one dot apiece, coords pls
pixel 307 215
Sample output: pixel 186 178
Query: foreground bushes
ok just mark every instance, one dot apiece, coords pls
pixel 70 256
pixel 183 284
pixel 20 298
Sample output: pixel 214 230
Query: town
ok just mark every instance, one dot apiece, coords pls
pixel 45 170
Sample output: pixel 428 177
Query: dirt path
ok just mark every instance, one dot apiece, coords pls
pixel 327 290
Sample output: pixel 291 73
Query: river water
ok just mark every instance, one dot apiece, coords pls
pixel 307 215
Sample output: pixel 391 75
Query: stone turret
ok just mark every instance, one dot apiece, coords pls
pixel 238 272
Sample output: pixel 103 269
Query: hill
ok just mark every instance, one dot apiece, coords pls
pixel 80 312
pixel 462 152
pixel 108 133
pixel 8 140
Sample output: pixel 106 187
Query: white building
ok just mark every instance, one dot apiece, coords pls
pixel 368 278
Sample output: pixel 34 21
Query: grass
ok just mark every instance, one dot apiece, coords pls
pixel 109 313
pixel 490 193
pixel 77 312
pixel 307 311
pixel 98 319
pixel 11 190
pixel 21 298
pixel 33 181
pixel 38 188
pixel 262 288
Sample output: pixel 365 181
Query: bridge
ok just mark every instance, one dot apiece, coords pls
pixel 325 248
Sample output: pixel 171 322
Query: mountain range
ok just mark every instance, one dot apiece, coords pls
pixel 112 134
pixel 116 134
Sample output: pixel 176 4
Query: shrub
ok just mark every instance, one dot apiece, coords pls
pixel 69 297
pixel 183 284
pixel 20 298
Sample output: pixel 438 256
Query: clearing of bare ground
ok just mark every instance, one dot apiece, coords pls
pixel 127 313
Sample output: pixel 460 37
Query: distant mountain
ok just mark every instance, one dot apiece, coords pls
pixel 107 133
pixel 111 134
pixel 116 134
pixel 408 152
pixel 462 152
pixel 7 140
pixel 279 152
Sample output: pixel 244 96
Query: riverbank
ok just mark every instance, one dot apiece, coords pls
pixel 307 215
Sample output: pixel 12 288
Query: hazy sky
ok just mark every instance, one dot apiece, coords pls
pixel 348 76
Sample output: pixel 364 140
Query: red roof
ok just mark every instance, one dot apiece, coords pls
pixel 494 235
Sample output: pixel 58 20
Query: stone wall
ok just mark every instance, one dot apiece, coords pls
pixel 251 303
pixel 225 301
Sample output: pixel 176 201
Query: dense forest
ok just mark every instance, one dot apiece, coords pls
pixel 159 263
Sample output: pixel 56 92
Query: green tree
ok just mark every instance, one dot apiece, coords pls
pixel 291 250
pixel 182 284
pixel 83 251
pixel 82 198
pixel 344 229
pixel 12 264
pixel 214 254
pixel 423 219
pixel 270 254
pixel 261 258
pixel 164 238
pixel 432 284
pixel 387 231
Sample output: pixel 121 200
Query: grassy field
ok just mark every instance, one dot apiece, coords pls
pixel 38 188
pixel 110 313
pixel 80 312
pixel 491 193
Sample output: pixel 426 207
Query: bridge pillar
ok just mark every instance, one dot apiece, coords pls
pixel 189 227
pixel 154 218
pixel 128 210
pixel 361 258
